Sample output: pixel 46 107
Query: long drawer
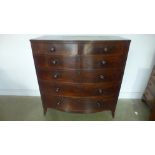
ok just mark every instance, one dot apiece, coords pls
pixel 78 89
pixel 75 104
pixel 78 62
pixel 82 76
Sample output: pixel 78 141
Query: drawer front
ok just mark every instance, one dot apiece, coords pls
pixel 82 76
pixel 79 62
pixel 73 89
pixel 58 62
pixel 85 105
pixel 55 48
pixel 102 61
pixel 106 48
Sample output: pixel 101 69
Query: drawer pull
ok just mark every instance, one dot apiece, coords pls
pixel 58 103
pixel 57 90
pixel 98 104
pixel 102 77
pixel 54 62
pixel 52 49
pixel 103 62
pixel 105 49
pixel 55 76
pixel 100 91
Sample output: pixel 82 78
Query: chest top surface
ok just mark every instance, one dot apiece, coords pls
pixel 79 38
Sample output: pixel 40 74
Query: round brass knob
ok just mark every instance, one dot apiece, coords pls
pixel 57 90
pixel 101 77
pixel 52 49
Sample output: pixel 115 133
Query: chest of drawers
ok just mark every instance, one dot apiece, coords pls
pixel 80 73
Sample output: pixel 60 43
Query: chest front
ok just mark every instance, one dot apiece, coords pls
pixel 80 76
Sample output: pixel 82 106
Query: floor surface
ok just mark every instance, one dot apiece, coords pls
pixel 20 108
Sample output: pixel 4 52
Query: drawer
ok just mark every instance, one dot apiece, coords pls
pixel 55 48
pixel 102 61
pixel 78 89
pixel 79 62
pixel 82 76
pixel 86 105
pixel 58 62
pixel 106 48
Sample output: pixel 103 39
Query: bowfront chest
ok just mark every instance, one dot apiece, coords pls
pixel 80 73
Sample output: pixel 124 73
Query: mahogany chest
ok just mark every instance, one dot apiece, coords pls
pixel 80 73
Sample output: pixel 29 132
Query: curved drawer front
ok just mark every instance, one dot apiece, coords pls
pixel 82 76
pixel 86 105
pixel 55 48
pixel 102 61
pixel 106 48
pixel 72 89
pixel 59 62
pixel 78 62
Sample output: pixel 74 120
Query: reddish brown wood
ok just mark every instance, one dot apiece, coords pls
pixel 78 89
pixel 79 62
pixel 55 48
pixel 80 75
pixel 112 48
pixel 79 105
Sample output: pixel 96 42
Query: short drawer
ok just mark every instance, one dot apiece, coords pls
pixel 102 61
pixel 106 48
pixel 82 76
pixel 77 89
pixel 86 105
pixel 57 62
pixel 55 48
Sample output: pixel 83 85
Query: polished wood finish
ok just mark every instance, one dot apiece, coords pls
pixel 79 62
pixel 78 89
pixel 80 74
pixel 80 105
pixel 55 48
pixel 112 48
